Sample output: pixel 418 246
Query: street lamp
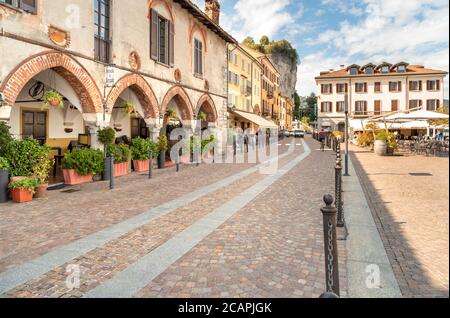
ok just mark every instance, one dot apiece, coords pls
pixel 346 103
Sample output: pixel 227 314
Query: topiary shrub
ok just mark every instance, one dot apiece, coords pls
pixel 4 164
pixel 5 137
pixel 106 136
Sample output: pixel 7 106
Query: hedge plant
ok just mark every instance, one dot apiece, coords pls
pixel 84 161
pixel 4 164
pixel 140 148
pixel 29 184
pixel 5 137
pixel 121 153
pixel 24 155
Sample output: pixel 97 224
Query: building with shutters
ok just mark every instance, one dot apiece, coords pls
pixel 162 55
pixel 375 89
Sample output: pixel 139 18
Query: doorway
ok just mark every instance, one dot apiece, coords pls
pixel 34 125
pixel 139 128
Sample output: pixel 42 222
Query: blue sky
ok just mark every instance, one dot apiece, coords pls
pixel 328 33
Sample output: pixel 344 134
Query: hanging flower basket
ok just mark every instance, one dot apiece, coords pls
pixel 129 109
pixel 171 113
pixel 202 116
pixel 53 98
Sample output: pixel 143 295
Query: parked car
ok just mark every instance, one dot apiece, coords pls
pixel 287 133
pixel 299 134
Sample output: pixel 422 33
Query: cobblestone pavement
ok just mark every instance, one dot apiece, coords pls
pixel 409 197
pixel 273 247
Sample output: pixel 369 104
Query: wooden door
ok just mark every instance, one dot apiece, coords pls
pixel 34 125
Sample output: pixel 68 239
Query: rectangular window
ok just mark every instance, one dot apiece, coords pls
pixel 394 105
pixel 369 70
pixel 385 69
pixel 361 87
pixel 360 107
pixel 415 103
pixel 326 107
pixel 162 39
pixel 377 87
pixel 29 6
pixel 101 29
pixel 433 85
pixel 433 104
pixel 377 107
pixel 354 71
pixel 198 57
pixel 327 88
pixel 415 86
pixel 395 86
pixel 342 88
pixel 340 107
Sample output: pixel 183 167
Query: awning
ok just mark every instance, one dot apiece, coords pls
pixel 258 120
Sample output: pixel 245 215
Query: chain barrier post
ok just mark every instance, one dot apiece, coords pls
pixel 111 171
pixel 150 165
pixel 330 246
pixel 338 194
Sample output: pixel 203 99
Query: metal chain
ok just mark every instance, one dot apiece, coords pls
pixel 330 257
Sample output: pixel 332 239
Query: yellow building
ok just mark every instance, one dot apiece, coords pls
pixel 244 86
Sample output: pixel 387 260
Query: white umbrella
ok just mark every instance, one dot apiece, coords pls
pixel 421 115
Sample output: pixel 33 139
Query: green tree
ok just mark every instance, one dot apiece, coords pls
pixel 297 102
pixel 311 101
pixel 264 41
pixel 249 41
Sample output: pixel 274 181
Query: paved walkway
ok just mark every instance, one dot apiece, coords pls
pixel 409 197
pixel 209 231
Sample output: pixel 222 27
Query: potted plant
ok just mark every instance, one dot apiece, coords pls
pixel 80 165
pixel 380 146
pixel 22 190
pixel 208 144
pixel 53 98
pixel 23 156
pixel 121 154
pixel 163 146
pixel 392 145
pixel 106 137
pixel 40 173
pixel 140 151
pixel 4 180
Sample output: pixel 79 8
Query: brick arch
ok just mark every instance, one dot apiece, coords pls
pixel 182 99
pixel 143 91
pixel 67 67
pixel 208 105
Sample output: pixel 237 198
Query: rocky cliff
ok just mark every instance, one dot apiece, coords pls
pixel 288 69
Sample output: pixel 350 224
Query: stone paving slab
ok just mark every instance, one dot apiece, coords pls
pixel 411 214
pixel 273 247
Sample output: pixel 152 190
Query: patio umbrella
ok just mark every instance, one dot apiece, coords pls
pixel 421 115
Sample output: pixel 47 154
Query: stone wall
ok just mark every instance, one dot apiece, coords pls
pixel 288 71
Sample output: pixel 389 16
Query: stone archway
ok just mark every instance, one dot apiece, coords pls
pixel 143 91
pixel 206 104
pixel 67 67
pixel 183 102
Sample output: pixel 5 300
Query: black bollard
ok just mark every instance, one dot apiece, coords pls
pixel 330 245
pixel 338 194
pixel 150 165
pixel 111 171
pixel 329 295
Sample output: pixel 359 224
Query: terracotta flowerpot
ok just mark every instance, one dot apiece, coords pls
pixel 41 191
pixel 54 102
pixel 21 195
pixel 120 169
pixel 141 165
pixel 71 177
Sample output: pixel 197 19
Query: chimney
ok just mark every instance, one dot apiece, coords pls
pixel 342 66
pixel 212 10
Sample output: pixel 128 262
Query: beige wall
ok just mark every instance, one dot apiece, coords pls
pixel 130 32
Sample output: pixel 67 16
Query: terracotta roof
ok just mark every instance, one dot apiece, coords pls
pixel 203 18
pixel 410 70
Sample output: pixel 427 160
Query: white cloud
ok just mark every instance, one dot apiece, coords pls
pixel 415 31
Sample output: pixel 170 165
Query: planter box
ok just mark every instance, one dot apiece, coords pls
pixel 141 165
pixel 120 169
pixel 71 177
pixel 21 195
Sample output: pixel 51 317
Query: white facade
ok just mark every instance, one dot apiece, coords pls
pixel 376 97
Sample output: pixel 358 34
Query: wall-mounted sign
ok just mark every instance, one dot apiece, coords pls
pixel 109 76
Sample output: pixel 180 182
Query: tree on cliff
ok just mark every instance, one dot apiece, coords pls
pixel 311 101
pixel 297 102
pixel 266 46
